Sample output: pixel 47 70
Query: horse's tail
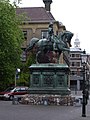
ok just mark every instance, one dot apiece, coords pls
pixel 32 43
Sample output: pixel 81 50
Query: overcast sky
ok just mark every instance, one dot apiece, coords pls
pixel 74 14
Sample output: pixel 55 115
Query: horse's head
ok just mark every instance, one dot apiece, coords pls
pixel 67 36
pixel 33 41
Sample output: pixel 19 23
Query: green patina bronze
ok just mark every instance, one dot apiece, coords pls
pixel 47 77
pixel 52 43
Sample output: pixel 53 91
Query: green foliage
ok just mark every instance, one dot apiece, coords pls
pixel 25 73
pixel 31 59
pixel 10 42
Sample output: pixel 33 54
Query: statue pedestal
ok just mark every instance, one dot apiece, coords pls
pixel 49 79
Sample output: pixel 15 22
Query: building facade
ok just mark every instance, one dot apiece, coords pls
pixel 76 74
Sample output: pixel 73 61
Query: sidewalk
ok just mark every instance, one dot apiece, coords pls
pixel 78 94
pixel 87 113
pixel 41 112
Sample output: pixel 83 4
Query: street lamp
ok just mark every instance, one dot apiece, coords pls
pixel 84 62
pixel 16 75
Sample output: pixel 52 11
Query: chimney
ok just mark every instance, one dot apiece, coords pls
pixel 47 4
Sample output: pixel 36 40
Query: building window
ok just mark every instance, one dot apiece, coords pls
pixel 73 64
pixel 78 64
pixel 56 32
pixel 78 55
pixel 23 56
pixel 73 73
pixel 73 55
pixel 44 33
pixel 25 35
pixel 78 71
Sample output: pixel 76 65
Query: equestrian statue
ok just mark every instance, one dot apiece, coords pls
pixel 54 43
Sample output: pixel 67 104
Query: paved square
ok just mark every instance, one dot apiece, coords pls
pixel 41 112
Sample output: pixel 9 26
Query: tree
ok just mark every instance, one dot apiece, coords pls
pixel 10 42
pixel 25 73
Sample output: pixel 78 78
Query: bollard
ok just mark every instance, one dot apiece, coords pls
pixel 45 102
pixel 15 101
pixel 77 102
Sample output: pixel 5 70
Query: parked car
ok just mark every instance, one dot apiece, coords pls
pixel 5 91
pixel 12 92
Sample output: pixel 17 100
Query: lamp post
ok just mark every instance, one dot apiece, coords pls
pixel 84 62
pixel 87 76
pixel 16 75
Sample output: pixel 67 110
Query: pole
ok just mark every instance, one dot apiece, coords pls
pixel 16 72
pixel 16 75
pixel 15 79
pixel 84 97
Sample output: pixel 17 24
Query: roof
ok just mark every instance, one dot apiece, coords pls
pixel 35 14
pixel 75 49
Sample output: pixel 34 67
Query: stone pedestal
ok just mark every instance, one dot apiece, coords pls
pixel 49 79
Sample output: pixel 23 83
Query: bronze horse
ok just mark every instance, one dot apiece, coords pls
pixel 58 44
